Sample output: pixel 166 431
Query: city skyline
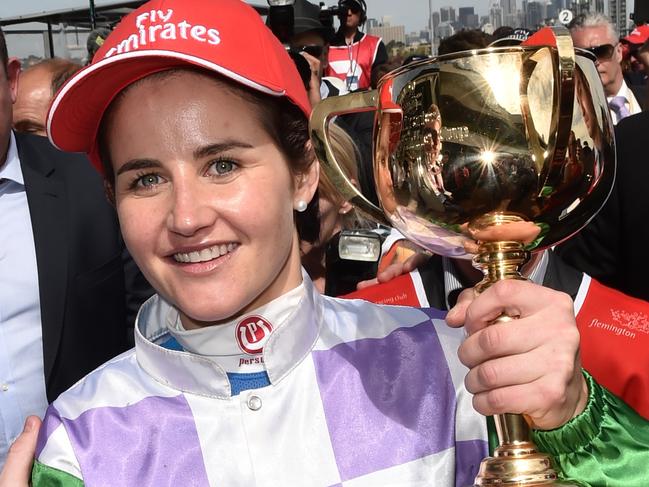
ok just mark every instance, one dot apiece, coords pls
pixel 413 14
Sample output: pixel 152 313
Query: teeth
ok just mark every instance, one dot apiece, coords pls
pixel 204 255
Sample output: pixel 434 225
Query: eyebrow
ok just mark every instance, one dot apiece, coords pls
pixel 207 150
pixel 136 164
pixel 218 147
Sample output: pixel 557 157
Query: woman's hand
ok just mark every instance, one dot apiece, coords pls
pixel 529 366
pixel 18 468
pixel 316 78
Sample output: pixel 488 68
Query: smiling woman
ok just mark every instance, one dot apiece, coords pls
pixel 242 373
pixel 193 193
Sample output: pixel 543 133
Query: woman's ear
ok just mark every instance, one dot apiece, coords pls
pixel 306 183
pixel 345 208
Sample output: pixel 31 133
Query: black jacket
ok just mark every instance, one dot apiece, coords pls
pixel 613 247
pixel 81 264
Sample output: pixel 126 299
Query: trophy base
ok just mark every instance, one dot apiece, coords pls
pixel 517 465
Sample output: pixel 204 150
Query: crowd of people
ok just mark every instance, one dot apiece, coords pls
pixel 168 301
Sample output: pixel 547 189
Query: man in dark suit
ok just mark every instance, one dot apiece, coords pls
pixel 63 300
pixel 613 247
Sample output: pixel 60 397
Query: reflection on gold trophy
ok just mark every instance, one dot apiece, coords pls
pixel 487 155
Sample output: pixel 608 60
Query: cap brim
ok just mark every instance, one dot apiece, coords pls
pixel 77 109
pixel 634 40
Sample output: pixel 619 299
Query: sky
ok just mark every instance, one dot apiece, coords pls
pixel 411 13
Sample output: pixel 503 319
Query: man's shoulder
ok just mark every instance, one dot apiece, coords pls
pixel 41 155
pixel 634 125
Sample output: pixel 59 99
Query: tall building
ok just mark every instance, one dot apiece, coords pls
pixel 447 14
pixel 617 12
pixel 465 15
pixel 496 16
pixel 584 6
pixel 389 33
pixel 444 30
pixel 535 15
pixel 508 7
pixel 510 14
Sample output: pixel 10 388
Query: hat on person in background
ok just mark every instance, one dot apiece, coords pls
pixel 639 35
pixel 513 39
pixel 95 40
pixel 307 19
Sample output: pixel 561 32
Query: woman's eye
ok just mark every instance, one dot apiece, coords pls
pixel 222 168
pixel 148 180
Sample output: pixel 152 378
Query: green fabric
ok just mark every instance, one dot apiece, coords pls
pixel 44 476
pixel 605 446
pixel 492 434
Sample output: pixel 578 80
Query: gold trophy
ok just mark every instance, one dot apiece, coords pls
pixel 487 155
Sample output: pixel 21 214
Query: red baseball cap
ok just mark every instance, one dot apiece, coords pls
pixel 224 36
pixel 639 35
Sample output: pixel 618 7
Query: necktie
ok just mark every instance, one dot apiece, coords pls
pixel 618 105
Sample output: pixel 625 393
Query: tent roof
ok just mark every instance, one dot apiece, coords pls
pixel 106 12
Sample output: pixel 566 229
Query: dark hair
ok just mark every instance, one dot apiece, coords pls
pixel 4 55
pixel 61 72
pixel 502 31
pixel 464 41
pixel 283 121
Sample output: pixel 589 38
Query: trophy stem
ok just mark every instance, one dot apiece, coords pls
pixel 516 461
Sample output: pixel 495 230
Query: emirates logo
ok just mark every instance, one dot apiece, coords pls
pixel 252 333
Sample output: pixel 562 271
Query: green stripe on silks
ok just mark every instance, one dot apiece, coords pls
pixel 44 476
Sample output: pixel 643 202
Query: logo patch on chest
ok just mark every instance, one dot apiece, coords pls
pixel 251 334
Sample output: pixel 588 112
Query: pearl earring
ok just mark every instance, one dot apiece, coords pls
pixel 300 205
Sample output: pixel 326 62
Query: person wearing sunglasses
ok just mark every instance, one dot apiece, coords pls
pixel 310 40
pixel 595 33
pixel 353 55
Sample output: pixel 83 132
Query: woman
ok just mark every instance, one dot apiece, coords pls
pixel 243 374
pixel 335 213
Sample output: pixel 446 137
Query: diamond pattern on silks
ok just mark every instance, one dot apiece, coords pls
pixel 387 401
pixel 168 442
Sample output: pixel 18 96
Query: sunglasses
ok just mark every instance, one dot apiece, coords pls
pixel 353 6
pixel 602 52
pixel 311 49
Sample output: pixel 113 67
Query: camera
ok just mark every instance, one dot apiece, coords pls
pixel 351 256
pixel 328 14
pixel 281 19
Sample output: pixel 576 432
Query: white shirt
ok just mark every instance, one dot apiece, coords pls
pixel 631 103
pixel 22 377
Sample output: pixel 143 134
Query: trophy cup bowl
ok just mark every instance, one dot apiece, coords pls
pixel 487 155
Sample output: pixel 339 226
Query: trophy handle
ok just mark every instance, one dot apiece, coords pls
pixel 563 113
pixel 322 113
